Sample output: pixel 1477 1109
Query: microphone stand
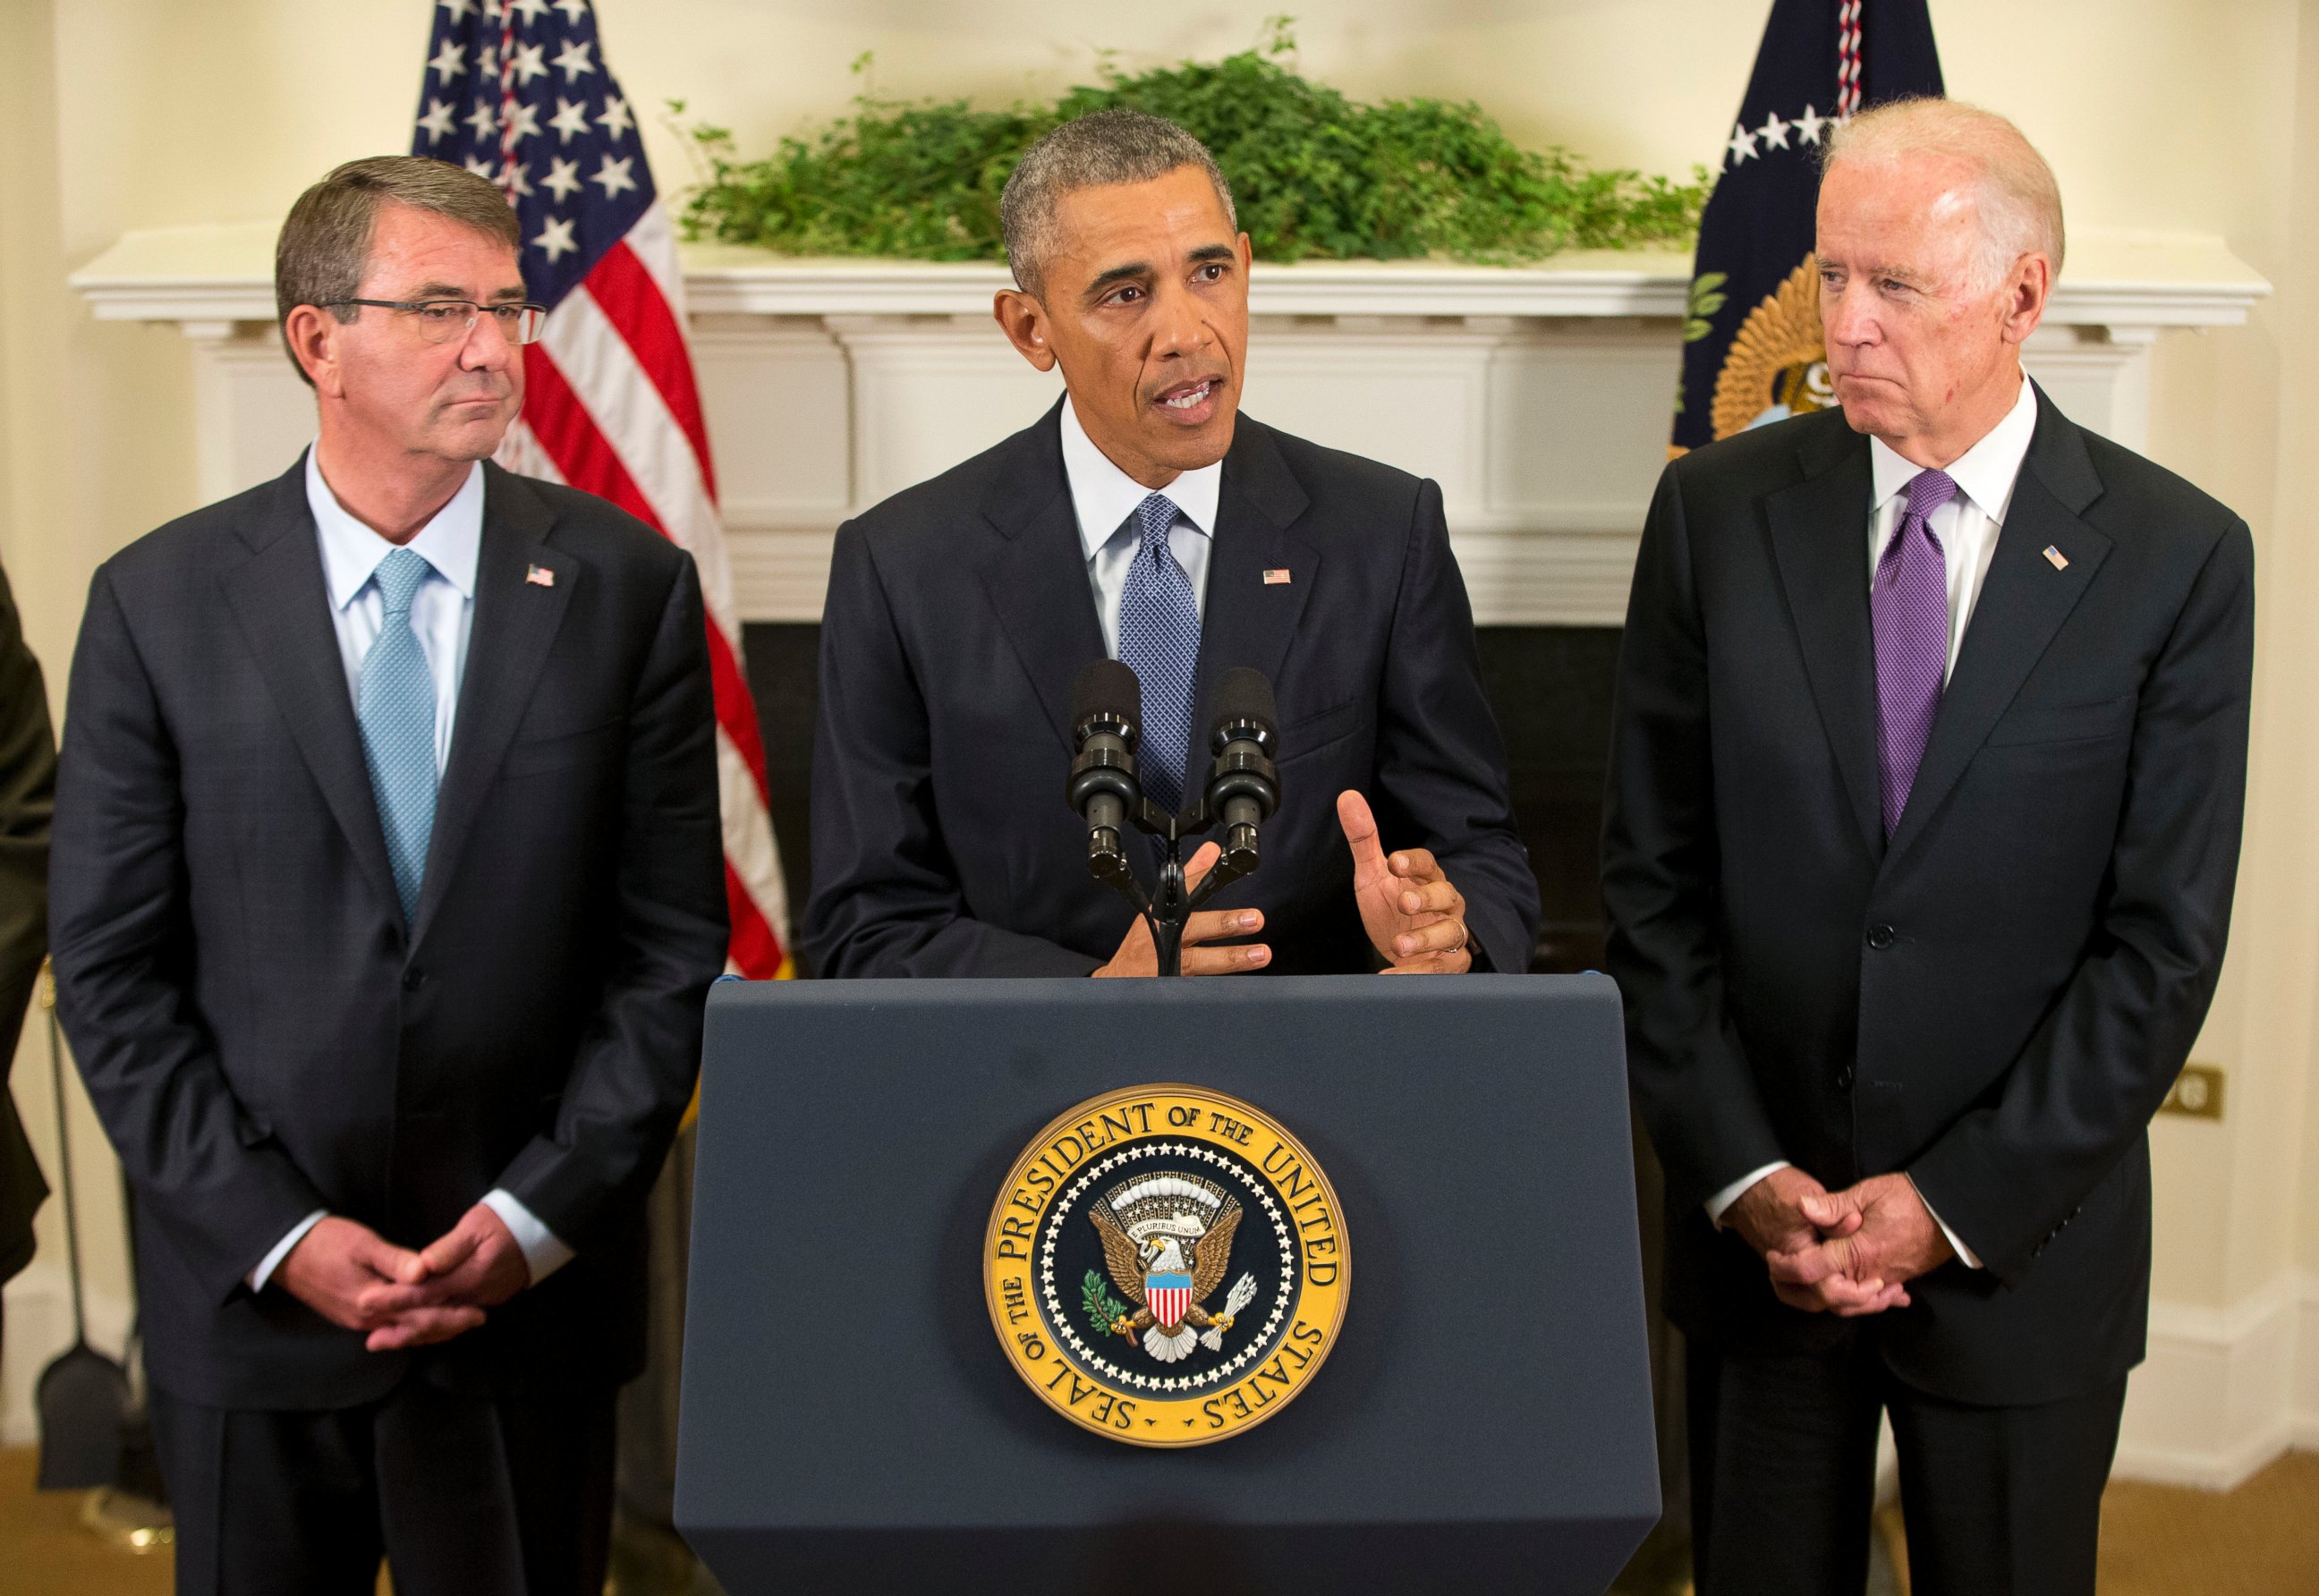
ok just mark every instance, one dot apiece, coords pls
pixel 1167 910
pixel 1242 788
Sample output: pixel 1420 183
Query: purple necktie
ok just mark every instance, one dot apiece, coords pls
pixel 1910 604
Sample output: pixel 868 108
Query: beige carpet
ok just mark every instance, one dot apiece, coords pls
pixel 48 1552
pixel 2262 1539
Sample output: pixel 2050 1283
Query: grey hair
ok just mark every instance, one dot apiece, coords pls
pixel 323 252
pixel 1092 151
pixel 2019 204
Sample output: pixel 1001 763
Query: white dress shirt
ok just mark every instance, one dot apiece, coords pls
pixel 1104 498
pixel 443 615
pixel 1966 527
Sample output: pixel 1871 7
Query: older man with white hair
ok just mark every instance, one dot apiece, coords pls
pixel 1922 821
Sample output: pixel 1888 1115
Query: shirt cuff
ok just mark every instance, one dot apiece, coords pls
pixel 258 1277
pixel 544 1252
pixel 1964 1254
pixel 1720 1202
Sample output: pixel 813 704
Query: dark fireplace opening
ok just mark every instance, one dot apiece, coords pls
pixel 1550 686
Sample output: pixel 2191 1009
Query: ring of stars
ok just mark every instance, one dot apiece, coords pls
pixel 1228 1371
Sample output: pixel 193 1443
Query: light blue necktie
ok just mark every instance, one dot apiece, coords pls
pixel 398 726
pixel 1160 641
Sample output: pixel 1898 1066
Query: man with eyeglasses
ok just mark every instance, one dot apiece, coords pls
pixel 386 888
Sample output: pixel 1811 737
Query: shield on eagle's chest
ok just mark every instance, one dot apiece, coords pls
pixel 1170 1298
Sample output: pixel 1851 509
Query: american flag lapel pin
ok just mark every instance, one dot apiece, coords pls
pixel 2056 558
pixel 1276 577
pixel 540 576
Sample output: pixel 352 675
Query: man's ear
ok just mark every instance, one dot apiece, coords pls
pixel 2027 293
pixel 312 334
pixel 1023 321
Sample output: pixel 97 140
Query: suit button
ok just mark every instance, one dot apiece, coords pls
pixel 1882 936
pixel 1844 1078
pixel 412 979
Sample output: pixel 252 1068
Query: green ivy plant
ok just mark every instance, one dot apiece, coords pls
pixel 1315 176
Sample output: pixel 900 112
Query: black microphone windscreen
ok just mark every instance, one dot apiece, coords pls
pixel 1106 687
pixel 1243 694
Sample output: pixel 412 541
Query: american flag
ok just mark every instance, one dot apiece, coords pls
pixel 518 91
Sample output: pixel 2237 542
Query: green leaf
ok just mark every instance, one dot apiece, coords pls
pixel 1102 1310
pixel 1313 174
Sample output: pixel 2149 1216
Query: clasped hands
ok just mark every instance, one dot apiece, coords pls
pixel 1415 917
pixel 1851 1252
pixel 354 1277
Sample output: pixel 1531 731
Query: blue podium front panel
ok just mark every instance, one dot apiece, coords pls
pixel 850 1419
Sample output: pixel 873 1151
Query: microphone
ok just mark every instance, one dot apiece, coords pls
pixel 1107 725
pixel 1243 786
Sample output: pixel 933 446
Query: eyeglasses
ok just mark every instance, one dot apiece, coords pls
pixel 445 320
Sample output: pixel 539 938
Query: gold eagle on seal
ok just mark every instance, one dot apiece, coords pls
pixel 1167 1244
pixel 1777 365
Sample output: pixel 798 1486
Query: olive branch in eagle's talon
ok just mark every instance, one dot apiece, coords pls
pixel 1107 1313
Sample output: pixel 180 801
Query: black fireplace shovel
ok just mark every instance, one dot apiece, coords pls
pixel 83 1395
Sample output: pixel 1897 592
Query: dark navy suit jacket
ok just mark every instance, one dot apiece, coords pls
pixel 960 613
pixel 1995 1000
pixel 261 1034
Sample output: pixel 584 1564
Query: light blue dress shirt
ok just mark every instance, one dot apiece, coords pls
pixel 1104 498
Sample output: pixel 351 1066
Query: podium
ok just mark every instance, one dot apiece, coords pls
pixel 851 1421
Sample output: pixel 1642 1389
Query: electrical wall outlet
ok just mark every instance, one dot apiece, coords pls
pixel 2197 1092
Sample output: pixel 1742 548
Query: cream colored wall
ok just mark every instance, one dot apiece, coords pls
pixel 2293 705
pixel 2157 114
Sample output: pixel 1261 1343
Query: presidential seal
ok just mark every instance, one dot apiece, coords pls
pixel 1777 365
pixel 1166 1266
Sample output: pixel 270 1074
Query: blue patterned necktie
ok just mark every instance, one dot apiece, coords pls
pixel 1160 641
pixel 398 726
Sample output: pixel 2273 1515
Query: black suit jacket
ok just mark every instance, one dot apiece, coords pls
pixel 1995 1002
pixel 260 1032
pixel 958 616
pixel 28 779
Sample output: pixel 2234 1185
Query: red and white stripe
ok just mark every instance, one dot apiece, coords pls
pixel 1848 58
pixel 1169 1304
pixel 611 408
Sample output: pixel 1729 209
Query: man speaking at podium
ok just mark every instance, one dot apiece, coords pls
pixel 1145 519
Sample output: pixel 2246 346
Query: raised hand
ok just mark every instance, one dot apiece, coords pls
pixel 1415 918
pixel 1138 957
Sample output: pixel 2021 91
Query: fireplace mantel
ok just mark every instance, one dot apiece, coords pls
pixel 1537 397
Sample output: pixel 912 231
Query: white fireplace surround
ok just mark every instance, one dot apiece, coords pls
pixel 1537 397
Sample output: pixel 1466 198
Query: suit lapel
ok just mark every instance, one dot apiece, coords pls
pixel 1246 620
pixel 515 625
pixel 1820 536
pixel 1035 576
pixel 281 602
pixel 2023 604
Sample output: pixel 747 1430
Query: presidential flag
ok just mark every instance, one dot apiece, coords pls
pixel 1752 349
pixel 518 91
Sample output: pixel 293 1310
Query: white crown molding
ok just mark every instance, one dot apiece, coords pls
pixel 208 277
pixel 1535 396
